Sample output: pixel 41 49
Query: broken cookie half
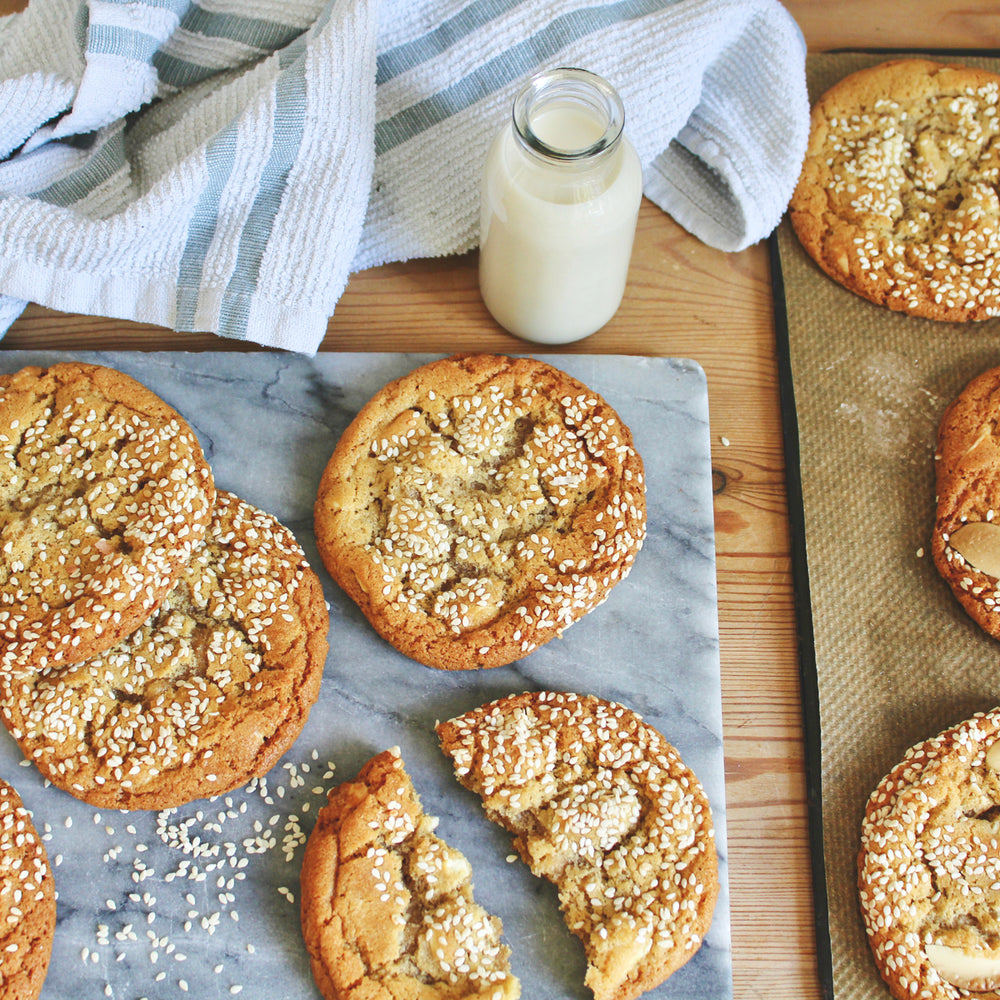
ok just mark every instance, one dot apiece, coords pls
pixel 603 806
pixel 387 907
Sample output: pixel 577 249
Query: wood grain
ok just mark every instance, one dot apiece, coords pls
pixel 684 299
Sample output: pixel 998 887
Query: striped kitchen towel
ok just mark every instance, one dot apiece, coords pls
pixel 225 165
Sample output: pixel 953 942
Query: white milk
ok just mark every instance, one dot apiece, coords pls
pixel 565 126
pixel 561 193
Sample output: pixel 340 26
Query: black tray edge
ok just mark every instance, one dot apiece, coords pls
pixel 809 678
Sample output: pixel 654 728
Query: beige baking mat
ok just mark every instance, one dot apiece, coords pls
pixel 896 660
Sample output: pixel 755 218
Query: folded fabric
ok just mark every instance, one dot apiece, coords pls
pixel 225 165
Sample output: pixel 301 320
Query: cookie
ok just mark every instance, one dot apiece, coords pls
pixel 603 806
pixel 965 542
pixel 208 693
pixel 897 199
pixel 387 907
pixel 104 493
pixel 929 866
pixel 477 507
pixel 27 901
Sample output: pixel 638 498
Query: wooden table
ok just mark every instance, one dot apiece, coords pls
pixel 684 300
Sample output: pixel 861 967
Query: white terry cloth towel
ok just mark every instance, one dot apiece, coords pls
pixel 225 165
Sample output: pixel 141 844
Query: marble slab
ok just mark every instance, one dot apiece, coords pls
pixel 203 901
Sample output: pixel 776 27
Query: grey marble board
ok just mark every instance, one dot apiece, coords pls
pixel 202 902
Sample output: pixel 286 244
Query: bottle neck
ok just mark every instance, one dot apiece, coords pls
pixel 568 116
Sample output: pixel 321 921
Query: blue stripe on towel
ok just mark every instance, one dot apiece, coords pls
pixel 426 47
pixel 220 156
pixel 104 162
pixel 256 33
pixel 179 7
pixel 179 72
pixel 498 72
pixel 117 41
pixel 289 125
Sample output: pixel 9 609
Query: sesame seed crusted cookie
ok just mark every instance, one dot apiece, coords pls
pixel 387 906
pixel 208 693
pixel 929 866
pixel 897 199
pixel 27 901
pixel 477 507
pixel 965 541
pixel 603 806
pixel 104 492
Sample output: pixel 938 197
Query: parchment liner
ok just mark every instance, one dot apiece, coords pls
pixel 897 659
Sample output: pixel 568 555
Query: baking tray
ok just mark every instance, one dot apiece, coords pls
pixel 202 901
pixel 888 656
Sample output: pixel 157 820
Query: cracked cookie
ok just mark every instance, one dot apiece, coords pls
pixel 897 199
pixel 600 804
pixel 387 907
pixel 965 541
pixel 104 493
pixel 208 693
pixel 27 901
pixel 478 506
pixel 929 866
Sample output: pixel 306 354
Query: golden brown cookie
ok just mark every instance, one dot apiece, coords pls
pixel 477 507
pixel 897 199
pixel 104 492
pixel 207 694
pixel 27 901
pixel 965 542
pixel 603 806
pixel 387 907
pixel 929 866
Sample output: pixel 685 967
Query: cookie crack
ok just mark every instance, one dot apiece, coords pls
pixel 599 833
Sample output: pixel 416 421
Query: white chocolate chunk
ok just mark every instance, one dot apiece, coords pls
pixel 978 543
pixel 968 971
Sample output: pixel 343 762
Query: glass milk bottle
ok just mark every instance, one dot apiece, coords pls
pixel 560 198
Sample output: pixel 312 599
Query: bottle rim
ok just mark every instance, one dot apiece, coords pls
pixel 577 86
